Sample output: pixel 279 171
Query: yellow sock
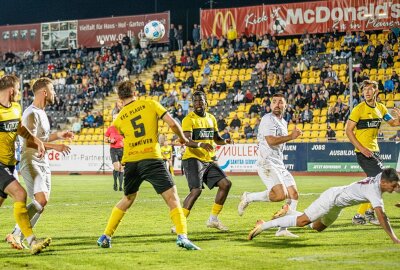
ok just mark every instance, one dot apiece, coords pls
pixel 171 170
pixel 216 209
pixel 186 212
pixel 114 220
pixel 179 220
pixel 363 208
pixel 22 218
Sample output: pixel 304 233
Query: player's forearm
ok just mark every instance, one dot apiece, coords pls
pixel 49 146
pixel 178 131
pixel 26 134
pixel 218 139
pixel 54 136
pixel 276 140
pixel 384 221
pixel 353 139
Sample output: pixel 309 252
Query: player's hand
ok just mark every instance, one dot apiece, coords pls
pixel 41 148
pixel 66 135
pixel 206 146
pixel 62 148
pixel 111 140
pixel 366 152
pixel 396 111
pixel 229 141
pixel 295 133
pixel 184 140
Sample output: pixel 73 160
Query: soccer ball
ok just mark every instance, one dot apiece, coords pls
pixel 279 25
pixel 154 30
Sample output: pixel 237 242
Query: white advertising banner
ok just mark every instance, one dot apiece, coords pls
pixel 83 158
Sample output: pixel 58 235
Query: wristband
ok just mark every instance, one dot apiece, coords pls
pixel 198 144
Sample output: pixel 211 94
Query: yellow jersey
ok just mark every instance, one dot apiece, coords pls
pixel 202 129
pixel 138 123
pixel 10 118
pixel 166 152
pixel 368 120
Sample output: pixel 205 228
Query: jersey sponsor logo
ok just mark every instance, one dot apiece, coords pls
pixel 203 134
pixel 9 126
pixel 369 123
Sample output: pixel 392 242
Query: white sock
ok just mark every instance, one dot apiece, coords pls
pixel 35 219
pixel 258 196
pixel 293 204
pixel 284 222
pixel 213 218
pixel 30 239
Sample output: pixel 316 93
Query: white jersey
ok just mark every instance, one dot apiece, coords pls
pixel 271 125
pixel 36 121
pixel 367 190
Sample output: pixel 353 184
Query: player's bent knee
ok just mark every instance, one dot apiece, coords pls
pixel 277 196
pixel 225 184
pixel 302 221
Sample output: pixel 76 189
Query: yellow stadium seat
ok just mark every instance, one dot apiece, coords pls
pixel 242 141
pixel 84 131
pixel 390 104
pixel 322 134
pixel 389 96
pixel 90 131
pixel 290 127
pixel 307 126
pixel 306 134
pixel 81 138
pixel 314 134
pixel 397 97
pixel 316 112
pixel 340 126
pixel 236 136
pixel 315 127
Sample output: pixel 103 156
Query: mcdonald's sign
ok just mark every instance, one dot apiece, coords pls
pixel 222 22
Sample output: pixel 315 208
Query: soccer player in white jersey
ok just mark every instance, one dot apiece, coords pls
pixel 272 137
pixel 35 170
pixel 326 209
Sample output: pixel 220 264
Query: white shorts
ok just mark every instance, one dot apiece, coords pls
pixel 273 175
pixel 324 207
pixel 37 178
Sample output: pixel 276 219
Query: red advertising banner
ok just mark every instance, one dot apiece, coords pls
pixel 109 30
pixel 18 38
pixel 295 18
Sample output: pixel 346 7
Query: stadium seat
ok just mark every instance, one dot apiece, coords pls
pixel 390 104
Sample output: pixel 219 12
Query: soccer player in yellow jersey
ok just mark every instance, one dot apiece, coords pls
pixel 197 161
pixel 138 123
pixel 362 130
pixel 166 152
pixel 10 127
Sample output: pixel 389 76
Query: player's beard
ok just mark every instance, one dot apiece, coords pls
pixel 201 112
pixel 277 112
pixel 49 101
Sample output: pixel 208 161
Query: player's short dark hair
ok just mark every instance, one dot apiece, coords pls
pixel 390 175
pixel 125 90
pixel 199 94
pixel 279 95
pixel 8 81
pixel 41 83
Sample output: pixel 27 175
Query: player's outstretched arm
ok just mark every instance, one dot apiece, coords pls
pixel 395 122
pixel 26 134
pixel 384 221
pixel 276 140
pixel 62 148
pixel 61 135
pixel 176 128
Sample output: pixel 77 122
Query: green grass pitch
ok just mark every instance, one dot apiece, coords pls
pixel 80 206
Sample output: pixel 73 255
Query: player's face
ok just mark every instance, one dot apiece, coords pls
pixel 278 106
pixel 51 94
pixel 389 187
pixel 199 105
pixel 15 93
pixel 369 93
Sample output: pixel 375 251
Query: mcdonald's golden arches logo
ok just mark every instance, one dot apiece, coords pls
pixel 221 21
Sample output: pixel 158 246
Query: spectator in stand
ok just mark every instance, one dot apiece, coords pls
pixel 331 134
pixel 179 37
pixel 77 125
pixel 222 86
pixel 389 85
pixel 88 120
pixel 238 98
pixel 255 109
pixel 256 127
pixel 248 131
pixel 306 115
pixel 98 119
pixel 226 134
pixel 221 123
pixel 196 33
pixel 235 123
pixel 173 32
pixel 170 76
pixel 248 97
pixel 232 33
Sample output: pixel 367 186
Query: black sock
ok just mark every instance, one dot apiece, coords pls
pixel 115 175
pixel 121 179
